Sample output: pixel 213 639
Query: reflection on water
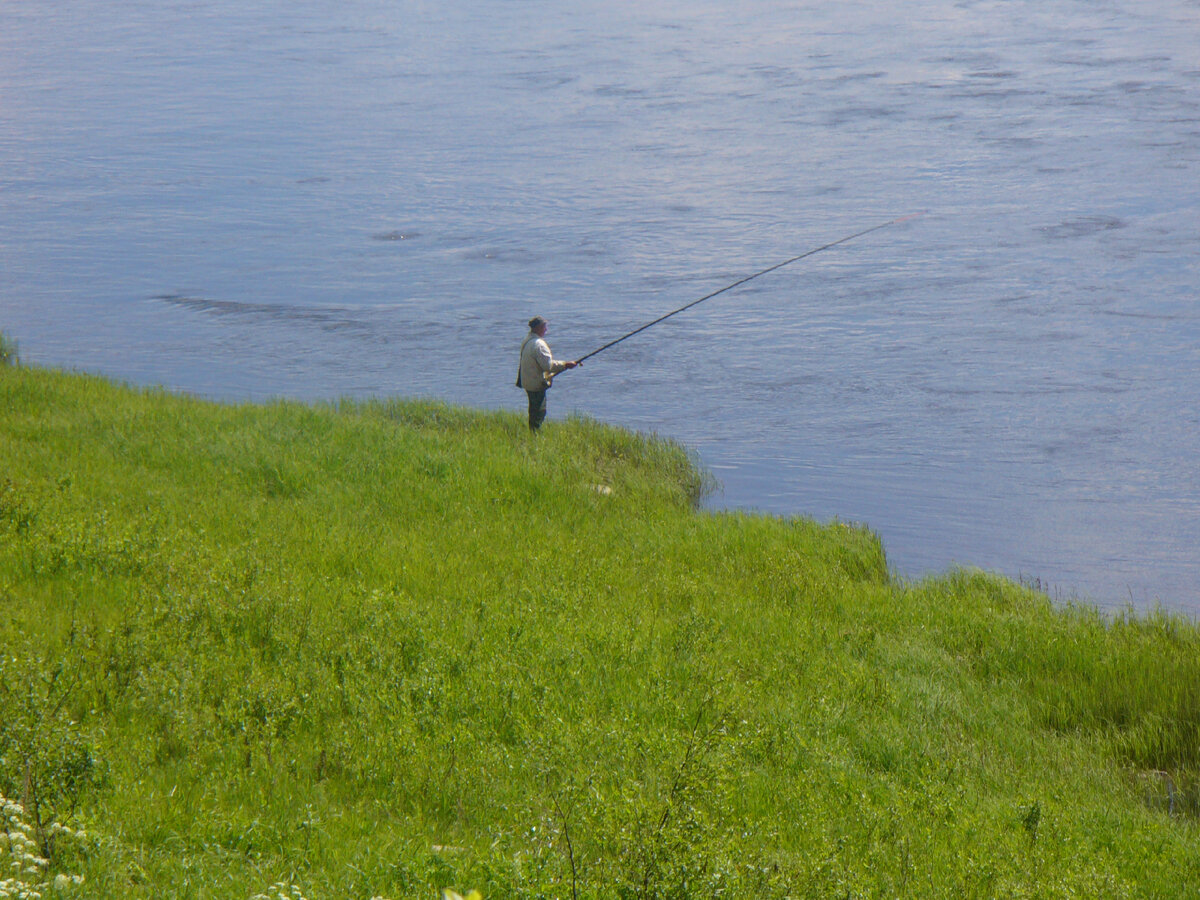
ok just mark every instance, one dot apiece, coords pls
pixel 312 200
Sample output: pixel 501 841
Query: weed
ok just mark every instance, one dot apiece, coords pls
pixel 8 351
pixel 24 867
pixel 44 755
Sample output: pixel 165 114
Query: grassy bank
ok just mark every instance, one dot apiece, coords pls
pixel 380 649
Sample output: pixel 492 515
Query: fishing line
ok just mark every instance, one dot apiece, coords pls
pixel 741 281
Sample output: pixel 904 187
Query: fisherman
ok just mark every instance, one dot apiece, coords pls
pixel 537 369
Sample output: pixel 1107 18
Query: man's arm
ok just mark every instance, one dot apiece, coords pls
pixel 548 363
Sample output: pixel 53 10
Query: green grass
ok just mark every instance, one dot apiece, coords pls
pixel 377 649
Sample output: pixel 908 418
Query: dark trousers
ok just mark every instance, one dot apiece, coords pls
pixel 537 409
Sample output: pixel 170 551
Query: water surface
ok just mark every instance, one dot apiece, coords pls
pixel 370 198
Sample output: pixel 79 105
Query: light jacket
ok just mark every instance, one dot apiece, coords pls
pixel 537 364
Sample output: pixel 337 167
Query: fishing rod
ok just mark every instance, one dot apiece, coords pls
pixel 740 282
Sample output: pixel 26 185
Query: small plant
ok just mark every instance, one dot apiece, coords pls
pixel 1031 820
pixel 281 890
pixel 43 752
pixel 8 350
pixel 20 856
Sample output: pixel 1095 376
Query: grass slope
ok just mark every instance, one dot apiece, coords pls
pixel 380 649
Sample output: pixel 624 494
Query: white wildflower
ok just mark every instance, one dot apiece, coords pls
pixel 281 891
pixel 21 851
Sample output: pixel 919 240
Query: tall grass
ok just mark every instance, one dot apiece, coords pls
pixel 382 649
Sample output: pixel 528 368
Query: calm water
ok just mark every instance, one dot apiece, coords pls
pixel 317 199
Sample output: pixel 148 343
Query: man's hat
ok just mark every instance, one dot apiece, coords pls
pixel 537 322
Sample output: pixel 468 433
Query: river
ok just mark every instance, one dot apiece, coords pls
pixel 368 198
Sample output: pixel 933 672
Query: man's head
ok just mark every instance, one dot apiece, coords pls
pixel 538 325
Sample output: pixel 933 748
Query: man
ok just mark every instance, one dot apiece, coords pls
pixel 536 370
